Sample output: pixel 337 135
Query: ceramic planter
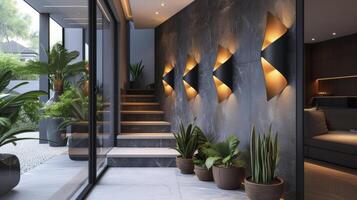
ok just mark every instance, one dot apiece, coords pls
pixel 57 138
pixel 9 172
pixel 228 178
pixel 264 191
pixel 203 173
pixel 185 165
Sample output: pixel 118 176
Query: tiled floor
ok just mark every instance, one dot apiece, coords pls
pixel 158 184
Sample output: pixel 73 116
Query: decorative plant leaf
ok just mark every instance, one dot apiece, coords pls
pixel 211 161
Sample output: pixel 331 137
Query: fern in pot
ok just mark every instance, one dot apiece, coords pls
pixel 199 159
pixel 264 155
pixel 187 142
pixel 228 169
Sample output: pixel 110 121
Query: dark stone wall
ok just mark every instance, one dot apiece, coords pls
pixel 238 25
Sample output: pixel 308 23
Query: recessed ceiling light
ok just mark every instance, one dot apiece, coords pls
pixel 162 4
pixel 313 39
pixel 156 13
pixel 333 33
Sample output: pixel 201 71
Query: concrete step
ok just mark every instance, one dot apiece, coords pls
pixel 138 98
pixel 145 126
pixel 142 115
pixel 146 140
pixel 137 91
pixel 140 106
pixel 141 157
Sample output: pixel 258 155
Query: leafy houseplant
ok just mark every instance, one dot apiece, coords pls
pixel 58 67
pixel 264 156
pixel 135 73
pixel 10 106
pixel 228 169
pixel 187 142
pixel 200 158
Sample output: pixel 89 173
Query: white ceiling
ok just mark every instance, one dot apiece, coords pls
pixel 143 11
pixel 325 17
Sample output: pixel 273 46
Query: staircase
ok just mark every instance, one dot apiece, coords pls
pixel 145 137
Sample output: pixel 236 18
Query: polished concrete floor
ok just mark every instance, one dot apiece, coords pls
pixel 328 182
pixel 158 184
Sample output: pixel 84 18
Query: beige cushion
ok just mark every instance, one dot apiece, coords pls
pixel 314 123
pixel 341 118
pixel 339 141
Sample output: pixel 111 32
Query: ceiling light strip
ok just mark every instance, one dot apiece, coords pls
pixel 103 10
pixel 127 9
pixel 336 77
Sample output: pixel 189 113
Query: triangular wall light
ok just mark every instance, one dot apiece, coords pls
pixel 190 77
pixel 223 73
pixel 168 79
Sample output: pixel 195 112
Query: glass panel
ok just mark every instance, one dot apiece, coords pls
pixel 105 83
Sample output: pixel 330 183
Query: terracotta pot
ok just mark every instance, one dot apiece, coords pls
pixel 228 178
pixel 264 191
pixel 9 172
pixel 185 165
pixel 203 173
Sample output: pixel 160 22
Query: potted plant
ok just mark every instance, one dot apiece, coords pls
pixel 264 156
pixel 135 72
pixel 227 168
pixel 10 106
pixel 199 160
pixel 187 142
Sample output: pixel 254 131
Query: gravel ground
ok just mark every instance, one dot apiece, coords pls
pixel 31 153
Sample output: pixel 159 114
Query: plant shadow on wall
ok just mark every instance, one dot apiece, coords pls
pixel 10 107
pixel 135 74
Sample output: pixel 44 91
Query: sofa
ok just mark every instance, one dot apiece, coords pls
pixel 330 135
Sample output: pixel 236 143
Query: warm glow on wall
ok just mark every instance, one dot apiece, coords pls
pixel 168 79
pixel 190 78
pixel 273 56
pixel 223 73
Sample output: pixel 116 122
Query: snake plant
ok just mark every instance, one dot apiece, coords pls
pixel 264 155
pixel 136 70
pixel 188 140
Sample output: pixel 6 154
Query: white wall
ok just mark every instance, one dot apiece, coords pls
pixel 142 46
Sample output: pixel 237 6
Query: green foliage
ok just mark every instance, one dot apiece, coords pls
pixel 10 107
pixel 12 62
pixel 188 139
pixel 224 154
pixel 136 70
pixel 13 23
pixel 72 107
pixel 264 155
pixel 58 67
pixel 201 156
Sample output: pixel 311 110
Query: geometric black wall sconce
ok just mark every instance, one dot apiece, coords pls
pixel 223 73
pixel 190 77
pixel 274 57
pixel 168 79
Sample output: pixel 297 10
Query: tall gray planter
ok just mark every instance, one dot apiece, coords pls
pixel 9 172
pixel 57 138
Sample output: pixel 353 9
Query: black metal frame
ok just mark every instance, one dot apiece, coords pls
pixel 300 99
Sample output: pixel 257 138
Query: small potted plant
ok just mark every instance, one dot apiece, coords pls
pixel 10 106
pixel 135 73
pixel 199 161
pixel 228 169
pixel 264 156
pixel 187 142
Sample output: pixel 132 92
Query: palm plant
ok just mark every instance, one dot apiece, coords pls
pixel 224 153
pixel 10 106
pixel 188 139
pixel 58 67
pixel 136 70
pixel 264 155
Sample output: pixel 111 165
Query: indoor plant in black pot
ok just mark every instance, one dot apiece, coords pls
pixel 10 106
pixel 264 156
pixel 187 142
pixel 228 169
pixel 135 73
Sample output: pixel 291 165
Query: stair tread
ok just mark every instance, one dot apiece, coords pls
pixel 142 112
pixel 154 123
pixel 146 136
pixel 148 152
pixel 140 103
